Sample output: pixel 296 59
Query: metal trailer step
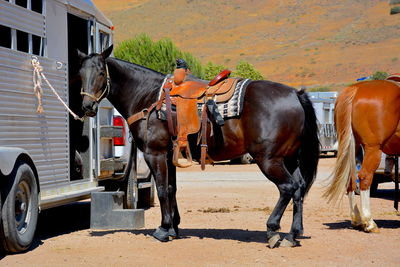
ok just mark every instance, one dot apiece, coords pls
pixel 106 212
pixel 109 131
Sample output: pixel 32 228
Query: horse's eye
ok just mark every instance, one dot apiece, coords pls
pixel 102 73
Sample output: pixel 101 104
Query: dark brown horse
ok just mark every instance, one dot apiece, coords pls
pixel 366 114
pixel 277 127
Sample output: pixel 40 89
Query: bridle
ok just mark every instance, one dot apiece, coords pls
pixel 106 91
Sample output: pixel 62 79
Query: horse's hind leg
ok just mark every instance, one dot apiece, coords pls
pixel 371 162
pixel 355 215
pixel 298 197
pixel 275 170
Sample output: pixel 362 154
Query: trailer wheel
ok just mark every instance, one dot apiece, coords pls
pixel 20 210
pixel 131 190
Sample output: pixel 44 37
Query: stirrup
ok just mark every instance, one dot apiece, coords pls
pixel 178 152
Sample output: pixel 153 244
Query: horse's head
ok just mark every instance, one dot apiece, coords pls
pixel 95 80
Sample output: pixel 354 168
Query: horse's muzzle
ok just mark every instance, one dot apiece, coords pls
pixel 90 108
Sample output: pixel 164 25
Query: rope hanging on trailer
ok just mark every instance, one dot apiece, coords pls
pixel 37 83
pixel 37 88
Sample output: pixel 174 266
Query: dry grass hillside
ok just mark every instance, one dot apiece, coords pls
pixel 298 42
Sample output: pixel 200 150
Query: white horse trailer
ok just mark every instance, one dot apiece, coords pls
pixel 49 159
pixel 324 105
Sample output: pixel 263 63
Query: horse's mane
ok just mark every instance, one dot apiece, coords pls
pixel 133 65
pixel 144 82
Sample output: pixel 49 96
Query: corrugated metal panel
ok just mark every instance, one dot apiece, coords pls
pixel 88 7
pixel 45 136
pixel 22 19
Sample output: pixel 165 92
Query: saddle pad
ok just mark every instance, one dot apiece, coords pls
pixel 229 109
pixel 234 106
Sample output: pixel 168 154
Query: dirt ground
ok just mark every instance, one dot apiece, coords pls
pixel 224 211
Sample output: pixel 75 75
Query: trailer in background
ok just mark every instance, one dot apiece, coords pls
pixel 49 159
pixel 324 105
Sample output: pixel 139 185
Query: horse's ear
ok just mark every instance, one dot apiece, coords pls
pixel 80 54
pixel 106 53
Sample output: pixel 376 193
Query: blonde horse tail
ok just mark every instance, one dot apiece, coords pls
pixel 345 167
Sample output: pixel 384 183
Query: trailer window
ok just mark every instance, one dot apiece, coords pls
pixel 23 3
pixel 104 40
pixel 37 6
pixel 22 41
pixel 37 45
pixel 5 33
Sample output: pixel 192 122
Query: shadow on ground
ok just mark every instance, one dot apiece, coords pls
pixel 75 217
pixel 218 234
pixel 62 220
pixel 239 235
pixel 385 224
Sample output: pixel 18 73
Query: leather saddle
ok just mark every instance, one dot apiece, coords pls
pixel 185 95
pixel 394 78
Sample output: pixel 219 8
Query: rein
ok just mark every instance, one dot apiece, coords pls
pixel 105 92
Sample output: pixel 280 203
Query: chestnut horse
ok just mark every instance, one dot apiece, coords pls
pixel 277 127
pixel 367 114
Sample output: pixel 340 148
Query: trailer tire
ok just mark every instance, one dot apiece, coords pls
pixel 20 210
pixel 131 190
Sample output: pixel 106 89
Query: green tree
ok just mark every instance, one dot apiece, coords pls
pixel 157 55
pixel 379 75
pixel 161 56
pixel 211 70
pixel 246 70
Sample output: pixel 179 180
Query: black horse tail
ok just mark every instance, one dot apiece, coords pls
pixel 310 146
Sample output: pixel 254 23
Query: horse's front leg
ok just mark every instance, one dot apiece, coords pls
pixel 159 167
pixel 176 219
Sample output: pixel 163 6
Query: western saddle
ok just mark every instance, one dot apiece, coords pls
pixel 185 95
pixel 394 78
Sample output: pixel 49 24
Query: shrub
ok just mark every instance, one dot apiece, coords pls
pixel 161 56
pixel 246 70
pixel 379 75
pixel 395 10
pixel 157 55
pixel 211 70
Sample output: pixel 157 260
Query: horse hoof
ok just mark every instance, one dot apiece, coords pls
pixel 273 241
pixel 371 227
pixel 374 230
pixel 161 234
pixel 287 243
pixel 173 233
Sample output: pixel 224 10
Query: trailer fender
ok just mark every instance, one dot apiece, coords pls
pixel 9 156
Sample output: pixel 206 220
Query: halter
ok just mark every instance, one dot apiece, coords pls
pixel 106 90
